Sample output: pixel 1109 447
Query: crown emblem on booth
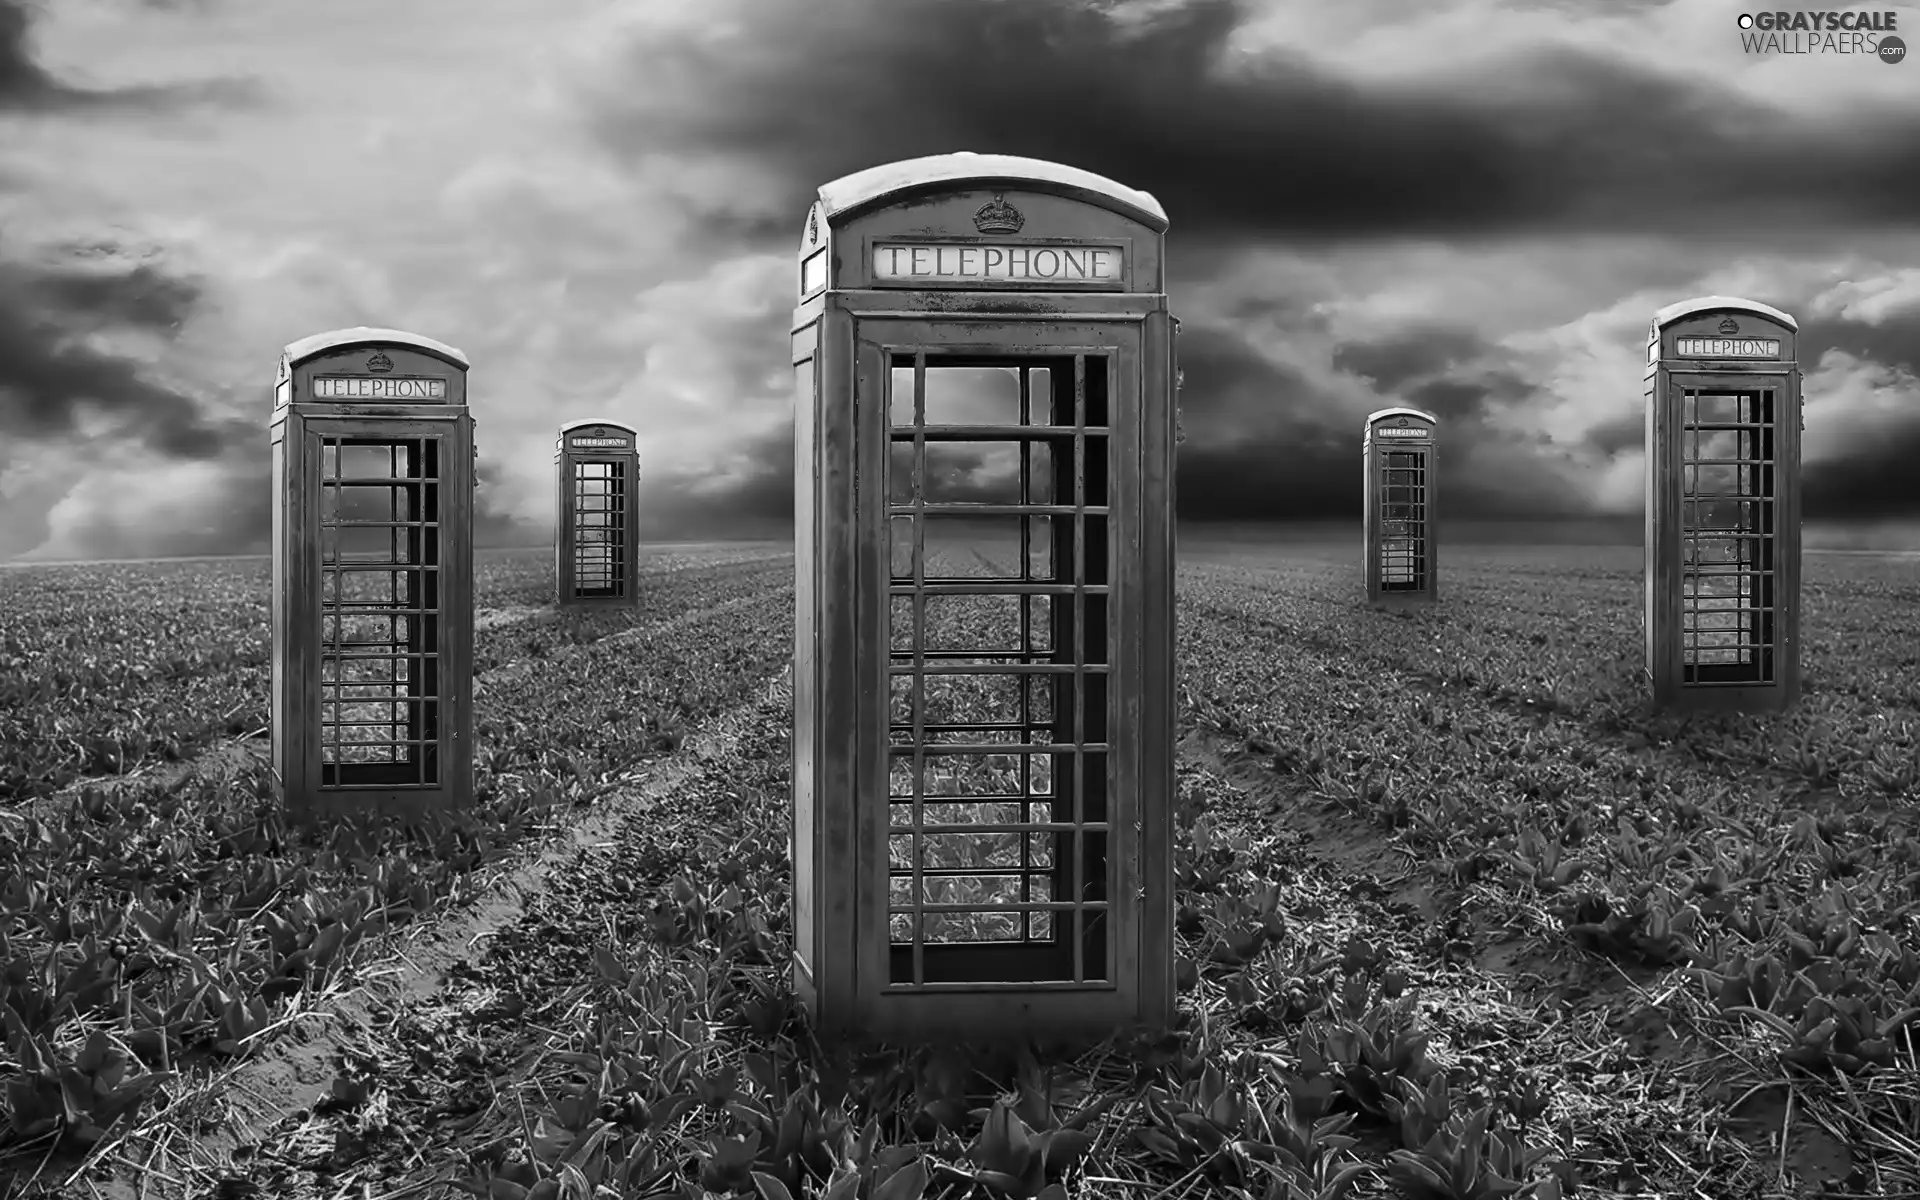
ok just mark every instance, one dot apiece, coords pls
pixel 379 361
pixel 813 227
pixel 1729 327
pixel 997 216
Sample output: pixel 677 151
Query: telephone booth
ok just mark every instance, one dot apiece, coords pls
pixel 1401 543
pixel 983 663
pixel 1722 617
pixel 372 605
pixel 597 536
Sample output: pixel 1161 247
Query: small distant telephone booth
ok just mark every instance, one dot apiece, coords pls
pixel 983 664
pixel 1401 542
pixel 372 606
pixel 1722 617
pixel 597 538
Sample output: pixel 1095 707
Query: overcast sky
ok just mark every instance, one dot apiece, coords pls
pixel 1470 207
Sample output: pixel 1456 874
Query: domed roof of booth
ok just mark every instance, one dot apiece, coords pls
pixel 864 189
pixel 1673 312
pixel 1384 413
pixel 320 343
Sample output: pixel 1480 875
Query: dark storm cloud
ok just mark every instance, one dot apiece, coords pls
pixel 1262 441
pixel 1568 141
pixel 1270 478
pixel 678 502
pixel 26 85
pixel 233 516
pixel 1875 482
pixel 1408 353
pixel 1226 374
pixel 1446 370
pixel 142 296
pixel 1449 399
pixel 494 525
pixel 22 80
pixel 50 375
pixel 1467 396
pixel 1266 443
pixel 1291 310
pixel 1877 478
pixel 1894 342
pixel 1620 434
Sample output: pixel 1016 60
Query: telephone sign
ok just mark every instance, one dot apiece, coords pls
pixel 925 263
pixel 1720 347
pixel 346 387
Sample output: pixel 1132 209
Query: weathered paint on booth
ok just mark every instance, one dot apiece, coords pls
pixel 852 324
pixel 312 575
pixel 1723 349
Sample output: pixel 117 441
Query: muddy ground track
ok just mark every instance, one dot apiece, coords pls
pixel 504 976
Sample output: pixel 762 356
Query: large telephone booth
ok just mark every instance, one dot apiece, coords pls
pixel 372 605
pixel 983 663
pixel 1722 619
pixel 597 533
pixel 1401 544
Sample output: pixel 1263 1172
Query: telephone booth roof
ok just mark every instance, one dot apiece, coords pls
pixel 585 421
pixel 307 347
pixel 1375 418
pixel 1699 304
pixel 850 194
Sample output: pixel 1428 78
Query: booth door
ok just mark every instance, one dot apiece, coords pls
pixel 378 548
pixel 599 498
pixel 1729 510
pixel 1403 520
pixel 1007 804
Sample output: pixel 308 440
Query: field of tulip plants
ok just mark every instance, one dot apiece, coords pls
pixel 1459 918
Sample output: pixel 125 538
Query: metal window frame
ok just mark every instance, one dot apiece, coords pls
pixel 603 561
pixel 1083 940
pixel 1418 569
pixel 423 657
pixel 1756 596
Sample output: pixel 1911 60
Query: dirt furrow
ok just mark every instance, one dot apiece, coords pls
pixel 414 971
